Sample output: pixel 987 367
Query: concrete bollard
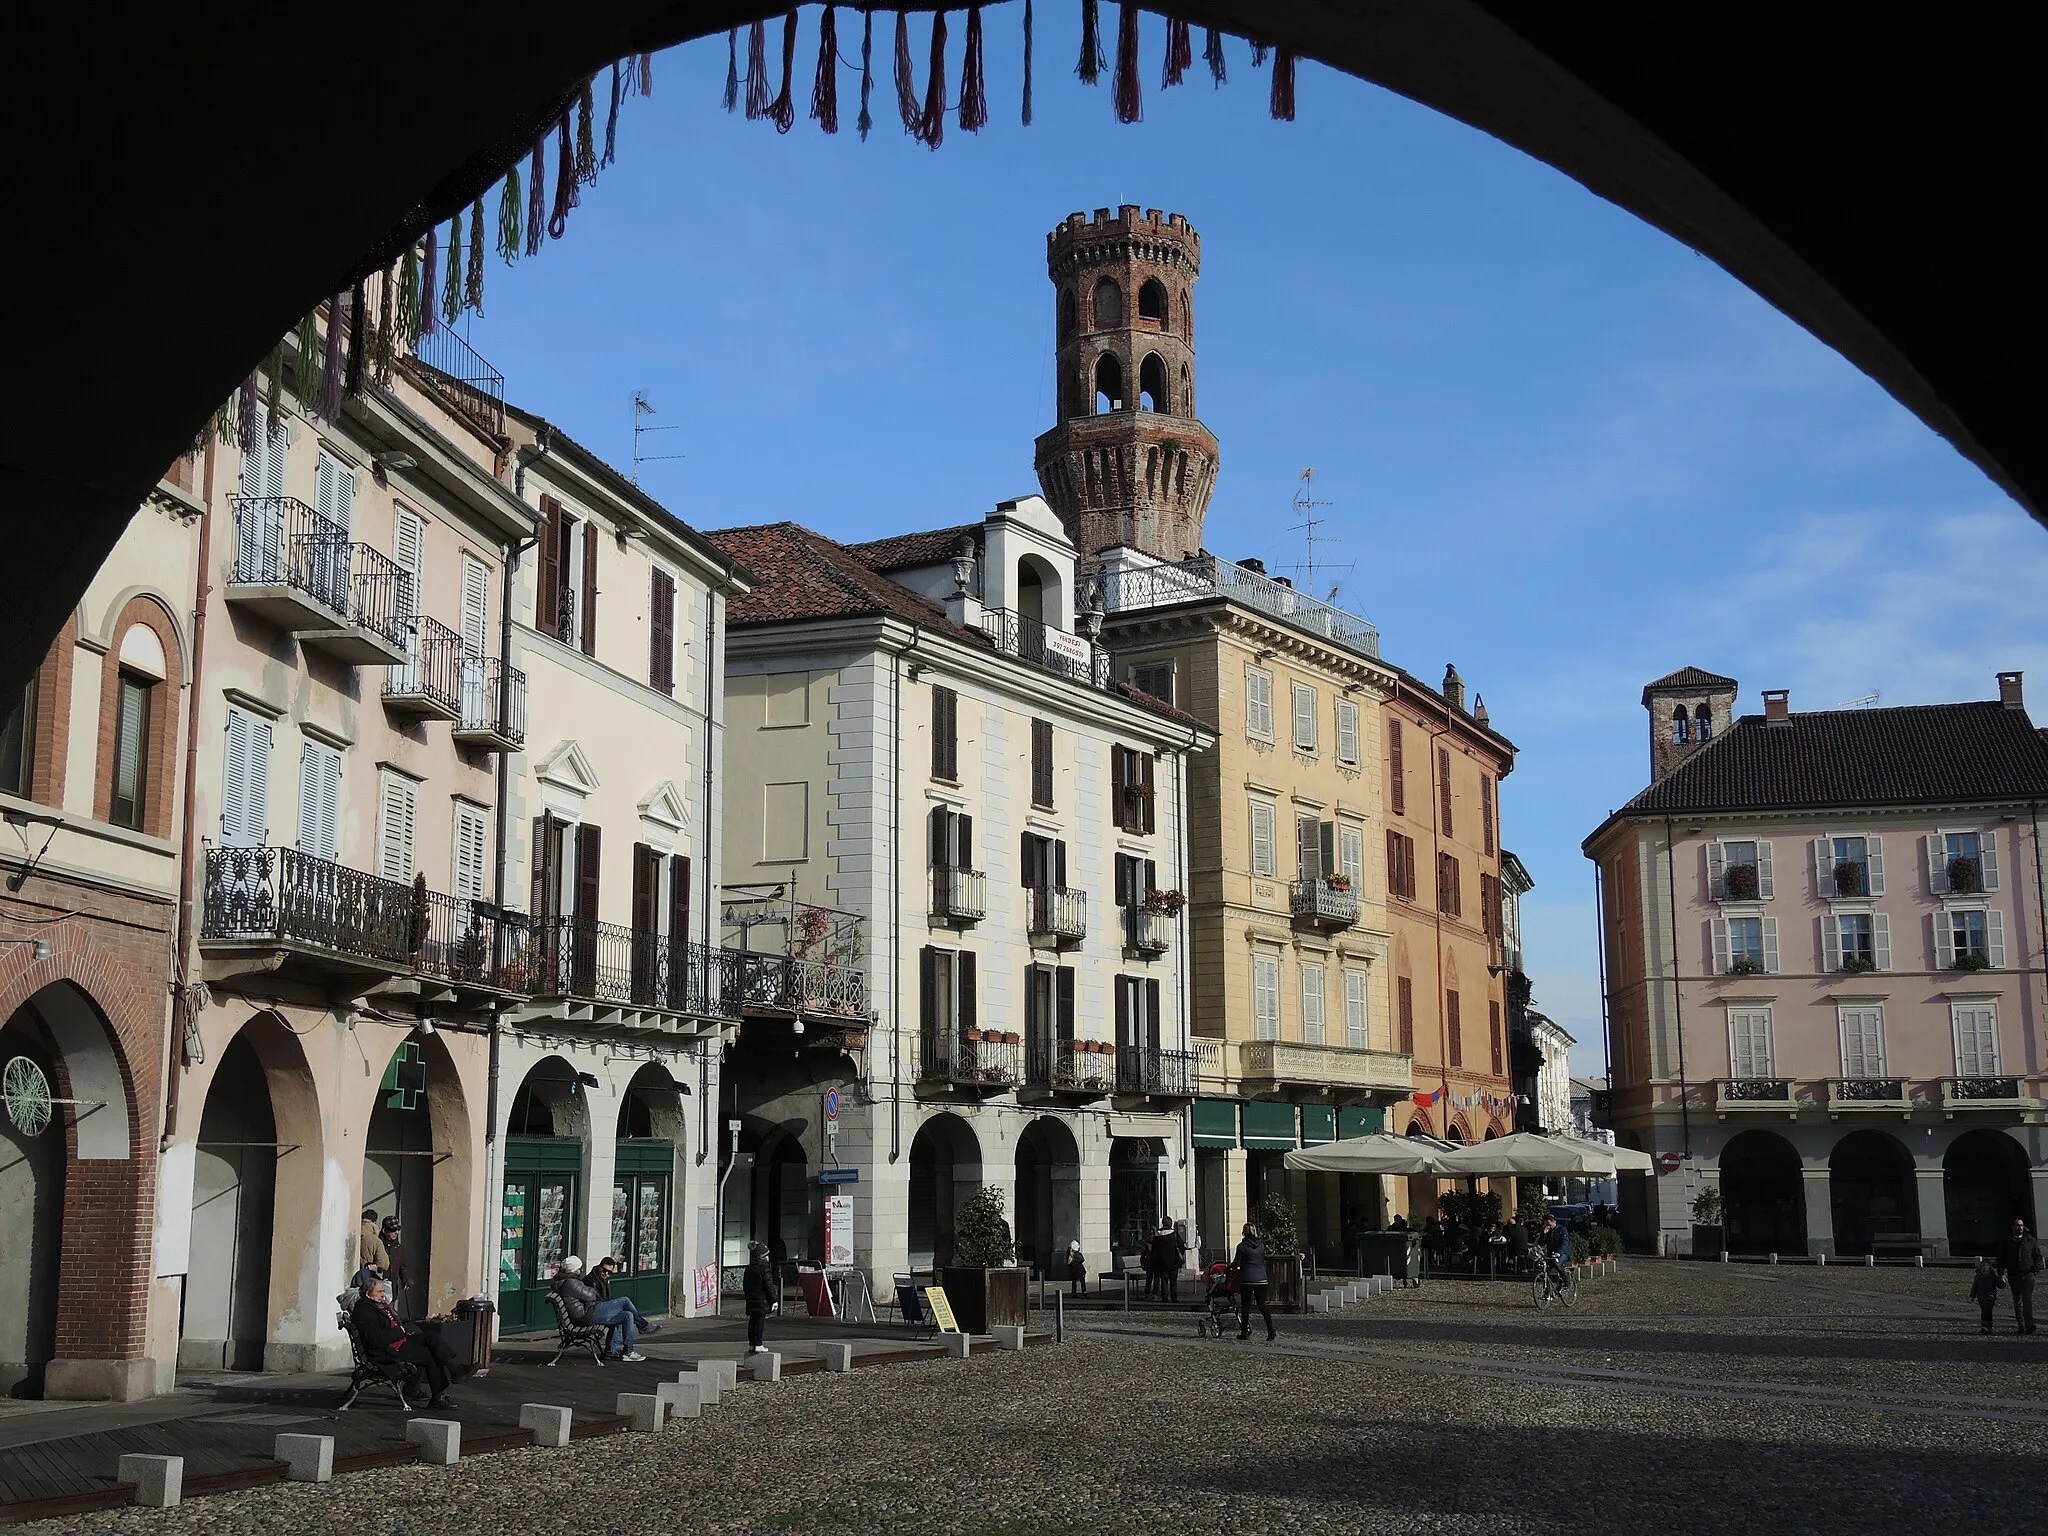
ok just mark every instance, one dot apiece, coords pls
pixel 1919 1261
pixel 1320 1302
pixel 1774 1258
pixel 1008 1336
pixel 1724 1255
pixel 1823 1260
pixel 439 1440
pixel 550 1424
pixel 767 1366
pixel 643 1408
pixel 681 1399
pixel 720 1376
pixel 306 1458
pixel 958 1345
pixel 839 1357
pixel 1382 1283
pixel 159 1480
pixel 1870 1261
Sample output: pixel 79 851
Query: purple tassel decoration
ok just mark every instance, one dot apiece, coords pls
pixel 358 337
pixel 1283 85
pixel 867 73
pixel 1091 65
pixel 757 72
pixel 430 274
pixel 932 125
pixel 825 86
pixel 973 92
pixel 1027 63
pixel 1180 53
pixel 611 121
pixel 473 295
pixel 330 363
pixel 536 198
pixel 782 111
pixel 586 135
pixel 1212 54
pixel 906 91
pixel 1130 100
pixel 565 180
pixel 731 100
pixel 247 405
pixel 646 74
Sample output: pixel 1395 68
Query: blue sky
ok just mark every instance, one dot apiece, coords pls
pixel 1562 450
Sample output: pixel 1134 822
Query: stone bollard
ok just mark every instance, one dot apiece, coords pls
pixel 643 1408
pixel 1919 1261
pixel 1008 1336
pixel 958 1345
pixel 306 1458
pixel 1823 1260
pixel 1382 1283
pixel 159 1480
pixel 839 1357
pixel 719 1376
pixel 681 1399
pixel 439 1440
pixel 1774 1258
pixel 1724 1255
pixel 1320 1302
pixel 767 1366
pixel 550 1425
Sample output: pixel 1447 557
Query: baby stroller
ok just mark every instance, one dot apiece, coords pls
pixel 1219 1301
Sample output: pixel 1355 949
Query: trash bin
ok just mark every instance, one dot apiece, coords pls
pixel 478 1313
pixel 1391 1253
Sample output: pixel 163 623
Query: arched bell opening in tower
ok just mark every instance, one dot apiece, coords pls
pixel 1152 386
pixel 1109 384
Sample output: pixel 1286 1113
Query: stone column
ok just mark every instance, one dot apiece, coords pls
pixel 1933 1208
pixel 1236 1200
pixel 1820 1211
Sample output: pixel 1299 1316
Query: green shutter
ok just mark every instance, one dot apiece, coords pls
pixel 642 1156
pixel 1215 1122
pixel 1352 1121
pixel 1318 1124
pixel 543 1154
pixel 1268 1126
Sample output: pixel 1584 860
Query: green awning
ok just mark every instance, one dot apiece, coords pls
pixel 1269 1126
pixel 1215 1122
pixel 1358 1121
pixel 1318 1124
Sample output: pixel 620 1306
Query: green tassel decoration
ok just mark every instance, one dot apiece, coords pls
pixel 307 387
pixel 451 287
pixel 510 235
pixel 273 395
pixel 474 297
pixel 409 298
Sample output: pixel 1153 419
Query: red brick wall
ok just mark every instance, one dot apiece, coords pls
pixel 53 719
pixel 160 783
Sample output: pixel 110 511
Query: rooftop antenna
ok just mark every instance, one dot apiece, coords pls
pixel 642 407
pixel 1305 506
pixel 1864 702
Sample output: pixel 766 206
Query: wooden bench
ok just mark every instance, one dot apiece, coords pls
pixel 1905 1244
pixel 589 1337
pixel 365 1372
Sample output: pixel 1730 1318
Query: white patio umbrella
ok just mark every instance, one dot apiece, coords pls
pixel 1529 1153
pixel 1374 1153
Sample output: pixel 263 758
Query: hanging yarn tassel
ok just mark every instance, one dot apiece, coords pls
pixel 306 381
pixel 906 92
pixel 1212 53
pixel 1027 63
pixel 565 180
pixel 782 111
pixel 329 402
pixel 867 73
pixel 1130 99
pixel 247 407
pixel 473 296
pixel 536 197
pixel 451 290
pixel 1180 52
pixel 973 93
pixel 825 87
pixel 273 390
pixel 757 71
pixel 1090 67
pixel 430 278
pixel 357 352
pixel 646 74
pixel 223 425
pixel 1283 84
pixel 932 125
pixel 408 300
pixel 586 136
pixel 1258 54
pixel 731 100
pixel 611 121
pixel 382 351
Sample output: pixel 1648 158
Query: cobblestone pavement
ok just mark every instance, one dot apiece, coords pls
pixel 1674 1397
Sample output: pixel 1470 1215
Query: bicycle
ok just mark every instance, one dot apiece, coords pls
pixel 1554 1282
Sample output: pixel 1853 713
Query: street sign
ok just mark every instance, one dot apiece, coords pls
pixel 1669 1162
pixel 941 1309
pixel 839 1230
pixel 839 1176
pixel 831 1103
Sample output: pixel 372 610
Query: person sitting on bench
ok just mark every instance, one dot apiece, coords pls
pixel 386 1338
pixel 584 1305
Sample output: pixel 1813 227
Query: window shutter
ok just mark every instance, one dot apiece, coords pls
pixel 1937 864
pixel 395 829
pixel 471 855
pixel 1148 765
pixel 1443 782
pixel 254 794
pixel 1881 940
pixel 1120 796
pixel 1765 890
pixel 1994 937
pixel 927 987
pixel 547 598
pixel 1041 762
pixel 661 632
pixel 1347 732
pixel 1123 1012
pixel 646 887
pixel 1065 1001
pixel 1486 811
pixel 1408 864
pixel 1151 877
pixel 1987 859
pixel 945 734
pixel 1354 1010
pixel 963 840
pixel 476 606
pixel 590 589
pixel 1262 838
pixel 1720 926
pixel 409 542
pixel 1312 1004
pixel 1493 1035
pixel 935 836
pixel 1327 836
pixel 589 846
pixel 542 900
pixel 1404 991
pixel 1717 871
pixel 1027 863
pixel 1304 717
pixel 1944 941
pixel 1059 864
pixel 1353 860
pixel 1152 1013
pixel 963 969
pixel 309 802
pixel 678 897
pixel 1873 852
pixel 1454 1028
pixel 1771 945
pixel 1830 942
pixel 1823 868
pixel 1397 769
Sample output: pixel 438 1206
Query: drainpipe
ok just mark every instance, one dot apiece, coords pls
pixel 896 897
pixel 1600 943
pixel 708 1112
pixel 1180 968
pixel 1437 788
pixel 189 811
pixel 2040 884
pixel 1677 991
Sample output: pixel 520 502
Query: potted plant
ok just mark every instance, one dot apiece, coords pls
pixel 1849 879
pixel 971 1036
pixel 1337 882
pixel 1011 1037
pixel 1857 965
pixel 1740 882
pixel 1276 1224
pixel 1972 961
pixel 1963 875
pixel 1746 967
pixel 985 1288
pixel 1165 903
pixel 1709 1237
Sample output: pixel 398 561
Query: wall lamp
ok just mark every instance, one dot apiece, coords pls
pixel 39 948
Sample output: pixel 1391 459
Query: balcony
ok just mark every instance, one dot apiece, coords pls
pixel 1059 914
pixel 1316 901
pixel 493 706
pixel 975 1061
pixel 1063 654
pixel 1742 1095
pixel 1272 1066
pixel 1071 1069
pixel 784 984
pixel 466 383
pixel 428 683
pixel 593 962
pixel 1147 931
pixel 1155 1074
pixel 1848 881
pixel 1967 1095
pixel 298 570
pixel 1858 1095
pixel 1205 576
pixel 959 896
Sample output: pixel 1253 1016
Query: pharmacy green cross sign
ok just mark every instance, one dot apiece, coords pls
pixel 406 1078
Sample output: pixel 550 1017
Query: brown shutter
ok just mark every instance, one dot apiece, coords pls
pixel 1404 988
pixel 1408 863
pixel 678 898
pixel 1027 864
pixel 963 965
pixel 1327 833
pixel 1066 1002
pixel 1493 1028
pixel 1041 762
pixel 590 589
pixel 646 888
pixel 1443 787
pixel 935 835
pixel 661 632
pixel 1034 1026
pixel 1147 764
pixel 945 734
pixel 1059 864
pixel 1123 1013
pixel 928 988
pixel 964 837
pixel 1119 788
pixel 1486 811
pixel 544 881
pixel 1151 1011
pixel 547 598
pixel 1397 770
pixel 588 843
pixel 1394 861
pixel 1456 1029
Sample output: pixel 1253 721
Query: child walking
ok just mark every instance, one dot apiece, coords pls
pixel 1984 1288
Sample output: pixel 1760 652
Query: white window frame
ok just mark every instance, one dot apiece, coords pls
pixel 1258 703
pixel 1357 1013
pixel 1265 823
pixel 1944 933
pixel 1347 733
pixel 1307 734
pixel 1958 1007
pixel 1351 855
pixel 319 801
pixel 1742 1058
pixel 1724 954
pixel 1314 1015
pixel 1938 856
pixel 1832 947
pixel 1717 868
pixel 1824 862
pixel 1860 1017
pixel 1265 997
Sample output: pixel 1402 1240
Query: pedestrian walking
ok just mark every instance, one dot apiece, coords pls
pixel 759 1291
pixel 2019 1258
pixel 1077 1268
pixel 1176 1238
pixel 370 1252
pixel 1984 1288
pixel 1148 1260
pixel 1250 1264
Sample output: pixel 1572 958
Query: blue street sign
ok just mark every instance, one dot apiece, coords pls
pixel 839 1176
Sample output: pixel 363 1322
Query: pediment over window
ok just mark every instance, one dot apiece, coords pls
pixel 665 806
pixel 566 768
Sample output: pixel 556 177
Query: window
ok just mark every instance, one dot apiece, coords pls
pixel 1862 1039
pixel 1107 305
pixel 1962 863
pixel 1070 313
pixel 1265 997
pixel 1152 301
pixel 785 823
pixel 1749 1042
pixel 788 699
pixel 1486 812
pixel 1263 860
pixel 1703 724
pixel 1486 904
pixel 1152 386
pixel 952 838
pixel 334 490
pixel 1745 945
pixel 1397 771
pixel 1355 1034
pixel 1351 856
pixel 1044 863
pixel 469 878
pixel 1969 938
pixel 1681 725
pixel 554 603
pixel 1109 384
pixel 1739 870
pixel 408 548
pixel 1258 703
pixel 945 735
pixel 1850 867
pixel 1404 1009
pixel 18 745
pixel 1454 1029
pixel 1443 791
pixel 476 607
pixel 133 697
pixel 1976 1031
pixel 1312 1003
pixel 661 632
pixel 1041 764
pixel 319 801
pixel 946 992
pixel 1347 733
pixel 1138 1013
pixel 397 814
pixel 1135 877
pixel 1132 788
pixel 1449 894
pixel 1311 848
pixel 1400 865
pixel 1856 941
pixel 1154 678
pixel 1493 1036
pixel 1304 718
pixel 245 782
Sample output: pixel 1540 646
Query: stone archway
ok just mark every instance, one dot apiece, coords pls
pixel 1871 1189
pixel 1762 1194
pixel 1048 1213
pixel 645 1237
pixel 1985 1183
pixel 541 1196
pixel 417 1163
pixel 944 1155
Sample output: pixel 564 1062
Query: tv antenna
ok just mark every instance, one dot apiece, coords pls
pixel 1307 524
pixel 1864 702
pixel 643 407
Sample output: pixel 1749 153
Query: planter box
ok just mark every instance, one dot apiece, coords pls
pixel 1707 1242
pixel 1283 1284
pixel 988 1298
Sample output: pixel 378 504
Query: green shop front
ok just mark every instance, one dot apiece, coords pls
pixel 1327 1206
pixel 539 1216
pixel 642 1179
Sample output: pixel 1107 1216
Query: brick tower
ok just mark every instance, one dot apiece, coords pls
pixel 1128 463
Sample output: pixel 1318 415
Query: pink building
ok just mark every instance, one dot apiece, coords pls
pixel 1823 939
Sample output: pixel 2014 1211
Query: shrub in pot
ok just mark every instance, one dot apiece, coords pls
pixel 984 1287
pixel 1709 1237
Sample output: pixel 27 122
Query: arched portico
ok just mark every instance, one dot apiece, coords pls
pixel 1048 1210
pixel 1871 1190
pixel 1762 1193
pixel 1986 1183
pixel 417 1165
pixel 542 1197
pixel 945 1168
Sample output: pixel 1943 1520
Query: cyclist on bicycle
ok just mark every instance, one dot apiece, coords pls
pixel 1557 1244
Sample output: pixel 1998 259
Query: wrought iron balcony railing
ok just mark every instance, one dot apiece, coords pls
pixel 377 587
pixel 493 705
pixel 785 984
pixel 1149 933
pixel 951 1056
pixel 300 571
pixel 1156 1073
pixel 1983 1092
pixel 282 542
pixel 1061 912
pixel 606 963
pixel 1204 576
pixel 959 895
pixel 1068 1066
pixel 1765 1093
pixel 460 376
pixel 1028 639
pixel 1313 898
pixel 429 680
pixel 1867 1092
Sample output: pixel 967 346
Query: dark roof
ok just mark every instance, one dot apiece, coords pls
pixel 1920 754
pixel 1688 679
pixel 906 551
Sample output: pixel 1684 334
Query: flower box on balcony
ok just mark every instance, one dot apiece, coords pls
pixel 1740 882
pixel 1011 1037
pixel 1165 903
pixel 1964 877
pixel 971 1036
pixel 1972 962
pixel 1337 882
pixel 1746 968
pixel 1858 965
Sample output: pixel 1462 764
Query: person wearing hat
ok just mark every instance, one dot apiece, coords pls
pixel 759 1290
pixel 390 1234
pixel 618 1314
pixel 370 1252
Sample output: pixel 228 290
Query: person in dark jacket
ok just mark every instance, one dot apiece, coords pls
pixel 1173 1258
pixel 617 1314
pixel 2019 1259
pixel 1250 1264
pixel 759 1291
pixel 1077 1268
pixel 1984 1288
pixel 385 1338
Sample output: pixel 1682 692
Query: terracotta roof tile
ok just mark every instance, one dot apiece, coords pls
pixel 905 551
pixel 1688 678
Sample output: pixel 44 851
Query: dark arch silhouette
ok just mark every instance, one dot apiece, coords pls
pixel 1763 1201
pixel 1106 306
pixel 1152 302
pixel 1152 394
pixel 1872 1189
pixel 1109 384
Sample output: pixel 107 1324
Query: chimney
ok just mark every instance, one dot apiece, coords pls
pixel 2009 693
pixel 1256 567
pixel 1777 706
pixel 1454 688
pixel 1479 712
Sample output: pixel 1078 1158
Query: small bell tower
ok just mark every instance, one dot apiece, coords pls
pixel 1128 462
